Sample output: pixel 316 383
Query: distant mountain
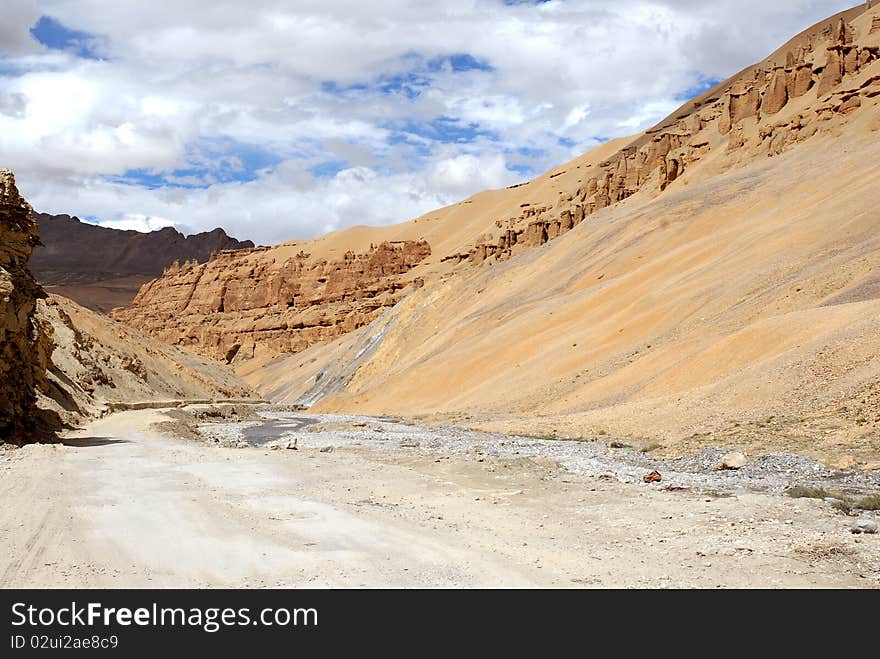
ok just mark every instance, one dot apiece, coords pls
pixel 102 268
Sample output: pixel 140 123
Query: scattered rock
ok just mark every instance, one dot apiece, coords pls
pixel 864 525
pixel 292 445
pixel 732 461
pixel 409 444
pixel 327 449
pixel 653 477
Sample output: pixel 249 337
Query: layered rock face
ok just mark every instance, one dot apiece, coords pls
pixel 22 357
pixel 102 268
pixel 240 303
pixel 782 101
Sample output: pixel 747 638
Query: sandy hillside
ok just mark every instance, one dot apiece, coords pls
pixel 741 302
pixel 712 280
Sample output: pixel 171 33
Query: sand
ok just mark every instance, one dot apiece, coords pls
pixel 120 506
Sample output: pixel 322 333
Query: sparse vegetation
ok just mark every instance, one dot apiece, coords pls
pixel 842 502
pixel 802 492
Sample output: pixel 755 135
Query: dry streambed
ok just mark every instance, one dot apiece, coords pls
pixel 700 473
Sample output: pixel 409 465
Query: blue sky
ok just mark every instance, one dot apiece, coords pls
pixel 279 120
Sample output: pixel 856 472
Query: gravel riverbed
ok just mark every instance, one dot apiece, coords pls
pixel 768 473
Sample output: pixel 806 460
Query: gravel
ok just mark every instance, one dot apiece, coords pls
pixel 769 473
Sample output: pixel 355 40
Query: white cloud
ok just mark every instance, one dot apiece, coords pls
pixel 211 92
pixel 135 222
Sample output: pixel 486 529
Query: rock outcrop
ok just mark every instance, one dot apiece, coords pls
pixel 761 112
pixel 102 268
pixel 22 350
pixel 240 303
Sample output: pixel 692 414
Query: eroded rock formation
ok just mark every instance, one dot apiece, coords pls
pixel 760 113
pixel 239 303
pixel 22 353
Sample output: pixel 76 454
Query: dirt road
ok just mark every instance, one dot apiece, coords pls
pixel 120 506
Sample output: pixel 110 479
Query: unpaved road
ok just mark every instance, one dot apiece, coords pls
pixel 119 506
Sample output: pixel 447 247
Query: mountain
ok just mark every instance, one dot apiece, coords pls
pixel 62 363
pixel 102 268
pixel 712 277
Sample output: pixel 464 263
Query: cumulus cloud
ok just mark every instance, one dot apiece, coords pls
pixel 278 120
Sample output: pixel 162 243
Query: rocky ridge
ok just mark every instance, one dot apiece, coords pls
pixel 22 344
pixel 763 111
pixel 102 268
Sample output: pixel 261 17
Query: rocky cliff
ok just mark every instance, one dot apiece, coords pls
pixel 241 303
pixel 22 354
pixel 274 301
pixel 102 268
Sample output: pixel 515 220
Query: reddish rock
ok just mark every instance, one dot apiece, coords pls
pixel 238 304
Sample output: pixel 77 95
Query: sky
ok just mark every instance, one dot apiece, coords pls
pixel 283 119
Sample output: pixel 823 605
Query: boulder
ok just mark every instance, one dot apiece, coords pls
pixel 864 525
pixel 732 461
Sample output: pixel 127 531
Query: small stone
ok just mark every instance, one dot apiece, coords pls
pixel 292 445
pixel 653 477
pixel 864 525
pixel 732 461
pixel 409 444
pixel 327 449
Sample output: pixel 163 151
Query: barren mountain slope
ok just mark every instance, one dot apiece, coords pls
pixel 102 268
pixel 719 269
pixel 99 363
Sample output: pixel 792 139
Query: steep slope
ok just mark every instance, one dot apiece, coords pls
pixel 61 363
pixel 21 346
pixel 97 363
pixel 717 273
pixel 102 268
